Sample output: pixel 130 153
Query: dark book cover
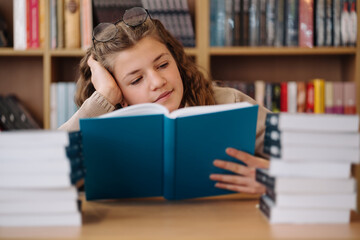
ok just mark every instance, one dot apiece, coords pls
pixel 276 92
pixel 291 23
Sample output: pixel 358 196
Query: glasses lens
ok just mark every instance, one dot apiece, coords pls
pixel 135 16
pixel 104 32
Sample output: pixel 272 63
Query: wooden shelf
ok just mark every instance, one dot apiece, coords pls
pixel 236 51
pixel 21 53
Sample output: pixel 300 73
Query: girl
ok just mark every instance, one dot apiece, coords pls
pixel 136 60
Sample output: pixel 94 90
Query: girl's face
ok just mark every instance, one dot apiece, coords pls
pixel 148 73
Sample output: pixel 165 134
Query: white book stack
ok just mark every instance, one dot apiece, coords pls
pixel 309 179
pixel 35 183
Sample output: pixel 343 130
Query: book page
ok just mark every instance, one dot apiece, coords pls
pixel 197 110
pixel 137 110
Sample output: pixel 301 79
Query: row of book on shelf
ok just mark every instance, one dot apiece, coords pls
pixel 71 21
pixel 309 179
pixel 304 23
pixel 69 27
pixel 315 96
pixel 62 104
pixel 40 190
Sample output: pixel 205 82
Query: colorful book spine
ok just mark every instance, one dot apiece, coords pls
pixel 292 97
pixel 349 98
pixel 306 19
pixel 329 97
pixel 276 97
pixel 72 23
pixel 301 96
pixel 34 21
pixel 319 95
pixel 283 97
pixel 309 97
pixel 338 97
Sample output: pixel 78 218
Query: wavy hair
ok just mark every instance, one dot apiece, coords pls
pixel 197 89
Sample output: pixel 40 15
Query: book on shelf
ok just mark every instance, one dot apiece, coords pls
pixel 277 214
pixel 60 20
pixel 349 98
pixel 291 97
pixel 291 22
pixel 309 97
pixel 20 23
pixel 86 22
pixel 283 97
pixel 146 151
pixel 298 185
pixel 300 96
pixel 329 97
pixel 319 95
pixel 270 22
pixel 306 20
pixel 329 23
pixel 279 23
pixel 319 22
pixel 72 31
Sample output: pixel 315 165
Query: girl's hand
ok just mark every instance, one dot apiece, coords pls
pixel 244 181
pixel 104 82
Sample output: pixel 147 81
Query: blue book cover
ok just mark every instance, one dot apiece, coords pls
pixel 137 152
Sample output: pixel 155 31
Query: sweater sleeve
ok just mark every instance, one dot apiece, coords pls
pixel 94 106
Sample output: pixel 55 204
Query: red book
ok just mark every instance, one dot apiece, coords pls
pixel 349 98
pixel 306 22
pixel 283 97
pixel 28 24
pixel 34 24
pixel 309 97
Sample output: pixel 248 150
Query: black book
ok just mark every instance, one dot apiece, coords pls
pixel 22 118
pixel 262 176
pixel 7 119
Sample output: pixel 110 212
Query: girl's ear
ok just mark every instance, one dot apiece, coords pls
pixel 124 103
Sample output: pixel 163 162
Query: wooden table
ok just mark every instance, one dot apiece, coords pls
pixel 225 217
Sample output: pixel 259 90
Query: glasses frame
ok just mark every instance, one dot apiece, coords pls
pixel 118 21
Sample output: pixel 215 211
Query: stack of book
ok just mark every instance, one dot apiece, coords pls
pixel 309 179
pixel 36 178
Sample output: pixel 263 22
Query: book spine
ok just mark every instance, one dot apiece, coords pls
pixel 72 23
pixel 336 22
pixel 268 96
pixel 301 96
pixel 328 23
pixel 306 19
pixel 260 92
pixel 329 103
pixel 265 179
pixel 270 22
pixel 28 23
pixel 279 27
pixel 349 98
pixel 42 30
pixel 276 96
pixel 264 207
pixel 291 23
pixel 284 97
pixel 319 100
pixel 272 120
pixel 169 158
pixel 319 23
pixel 309 97
pixel 292 97
pixel 338 93
pixel 34 15
pixel 20 23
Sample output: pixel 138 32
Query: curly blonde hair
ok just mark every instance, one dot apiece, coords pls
pixel 197 89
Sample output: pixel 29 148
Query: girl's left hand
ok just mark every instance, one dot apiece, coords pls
pixel 244 179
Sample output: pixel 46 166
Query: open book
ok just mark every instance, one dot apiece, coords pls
pixel 143 150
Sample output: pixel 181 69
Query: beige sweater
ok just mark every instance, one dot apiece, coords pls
pixel 97 105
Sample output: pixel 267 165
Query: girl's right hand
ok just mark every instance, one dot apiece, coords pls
pixel 103 82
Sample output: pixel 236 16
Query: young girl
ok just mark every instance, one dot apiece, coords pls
pixel 136 60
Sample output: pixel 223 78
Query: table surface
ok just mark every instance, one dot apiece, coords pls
pixel 224 217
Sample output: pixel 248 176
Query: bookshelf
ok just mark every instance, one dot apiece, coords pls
pixel 40 67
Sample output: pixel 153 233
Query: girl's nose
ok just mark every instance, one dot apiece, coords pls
pixel 156 80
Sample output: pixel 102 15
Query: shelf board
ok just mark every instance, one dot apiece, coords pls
pixel 80 52
pixel 67 53
pixel 222 51
pixel 21 53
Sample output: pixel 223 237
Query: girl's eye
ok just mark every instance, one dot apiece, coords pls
pixel 164 65
pixel 136 81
